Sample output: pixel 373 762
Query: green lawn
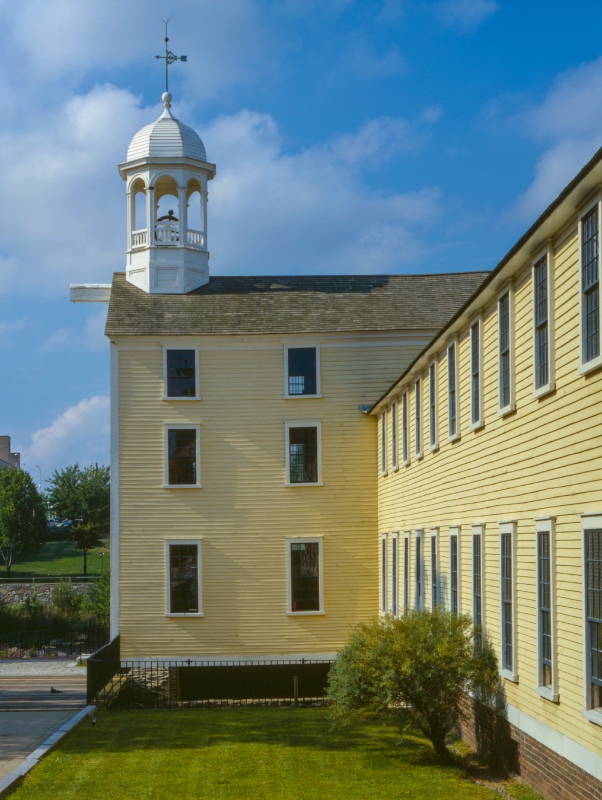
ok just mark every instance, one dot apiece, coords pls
pixel 57 558
pixel 239 754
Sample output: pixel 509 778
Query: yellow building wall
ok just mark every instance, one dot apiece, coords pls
pixel 545 459
pixel 243 511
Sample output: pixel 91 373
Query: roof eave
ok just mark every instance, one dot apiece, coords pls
pixel 176 161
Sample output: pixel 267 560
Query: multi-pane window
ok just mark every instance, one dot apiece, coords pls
pixel 452 396
pixel 183 576
pixel 405 445
pixel 593 558
pixel 453 572
pixel 434 576
pixel 418 418
pixel 542 344
pixel 302 371
pixel 544 602
pixel 182 467
pixel 383 442
pixel 418 572
pixel 590 285
pixel 432 405
pixel 475 373
pixel 504 349
pixel 383 576
pixel 507 604
pixel 406 575
pixel 304 578
pixel 180 366
pixel 394 435
pixel 477 584
pixel 303 454
pixel 394 568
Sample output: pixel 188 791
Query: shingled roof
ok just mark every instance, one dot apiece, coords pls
pixel 292 304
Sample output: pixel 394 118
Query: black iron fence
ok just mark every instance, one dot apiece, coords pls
pixel 60 642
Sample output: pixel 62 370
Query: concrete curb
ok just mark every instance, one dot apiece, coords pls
pixel 9 781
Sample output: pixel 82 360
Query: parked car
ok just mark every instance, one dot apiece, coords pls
pixel 66 523
pixel 51 523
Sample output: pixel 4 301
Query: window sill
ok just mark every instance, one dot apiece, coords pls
pixel 199 614
pixel 590 366
pixel 179 399
pixel 503 412
pixel 395 468
pixel 433 448
pixel 295 485
pixel 543 390
pixel 305 613
pixel 406 463
pixel 476 426
pixel 546 693
pixel 593 715
pixel 418 456
pixel 182 486
pixel 509 676
pixel 301 396
pixel 453 438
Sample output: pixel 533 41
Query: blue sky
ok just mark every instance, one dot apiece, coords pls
pixel 349 137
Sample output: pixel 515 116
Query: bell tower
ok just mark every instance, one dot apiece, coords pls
pixel 166 175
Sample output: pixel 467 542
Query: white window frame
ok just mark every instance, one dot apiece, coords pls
pixel 453 437
pixel 197 541
pixel 547 525
pixel 395 539
pixel 170 426
pixel 589 521
pixel 304 540
pixel 394 436
pixel 302 423
pixel 480 422
pixel 434 587
pixel 594 363
pixel 548 253
pixel 419 537
pixel 384 574
pixel 406 456
pixel 509 528
pixel 318 393
pixel 407 573
pixel 384 456
pixel 511 405
pixel 478 529
pixel 434 423
pixel 418 418
pixel 197 395
pixel 455 531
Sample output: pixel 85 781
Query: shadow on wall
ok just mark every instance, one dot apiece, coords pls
pixel 486 728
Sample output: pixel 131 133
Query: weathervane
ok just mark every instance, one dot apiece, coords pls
pixel 169 56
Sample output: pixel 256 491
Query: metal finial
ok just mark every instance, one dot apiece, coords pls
pixel 170 58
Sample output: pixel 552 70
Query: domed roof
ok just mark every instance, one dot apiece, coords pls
pixel 167 137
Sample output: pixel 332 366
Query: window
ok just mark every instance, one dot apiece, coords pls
pixel 418 572
pixel 394 572
pixel 507 602
pixel 541 323
pixel 181 456
pixel 590 287
pixel 406 574
pixel 302 371
pixel 183 576
pixel 383 443
pixel 303 453
pixel 477 585
pixel 476 416
pixel 405 445
pixel 394 435
pixel 505 352
pixel 383 573
pixel 593 561
pixel 433 406
pixel 544 602
pixel 180 374
pixel 418 419
pixel 434 574
pixel 305 576
pixel 452 391
pixel 453 573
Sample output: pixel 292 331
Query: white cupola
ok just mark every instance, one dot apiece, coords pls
pixel 166 176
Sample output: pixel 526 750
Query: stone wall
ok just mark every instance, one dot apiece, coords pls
pixel 15 593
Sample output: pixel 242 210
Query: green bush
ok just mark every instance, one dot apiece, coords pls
pixel 67 601
pixel 34 607
pixel 98 601
pixel 422 665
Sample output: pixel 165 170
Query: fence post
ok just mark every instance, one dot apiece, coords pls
pixel 296 689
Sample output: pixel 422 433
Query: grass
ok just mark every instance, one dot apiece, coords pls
pixel 239 754
pixel 58 558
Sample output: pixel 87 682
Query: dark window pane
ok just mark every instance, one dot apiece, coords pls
pixel 394 576
pixel 384 574
pixel 302 370
pixel 418 431
pixel 591 285
pixel 475 377
pixel 181 373
pixel 504 345
pixel 434 581
pixel 593 556
pixel 451 388
pixel 432 405
pixel 303 450
pixel 453 544
pixel 541 322
pixel 406 575
pixel 506 546
pixel 476 583
pixel 404 422
pixel 545 607
pixel 182 456
pixel 183 579
pixel 305 577
pixel 418 572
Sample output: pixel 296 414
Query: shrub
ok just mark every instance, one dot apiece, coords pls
pixel 67 601
pixel 98 602
pixel 424 663
pixel 34 606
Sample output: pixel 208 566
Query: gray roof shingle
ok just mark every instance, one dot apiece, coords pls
pixel 292 304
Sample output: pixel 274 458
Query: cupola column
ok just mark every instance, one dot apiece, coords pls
pixel 183 216
pixel 151 216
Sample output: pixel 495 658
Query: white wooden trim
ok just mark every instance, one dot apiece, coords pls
pixel 179 426
pixel 480 422
pixel 418 418
pixel 395 574
pixel 502 411
pixel 588 522
pixel 384 455
pixel 395 438
pixel 298 346
pixel 509 528
pixel 432 372
pixel 302 423
pixel 384 574
pixel 406 456
pixel 452 437
pixel 197 395
pixel 407 537
pixel 419 536
pixel 434 534
pixel 547 525
pixel 114 556
pixel 304 540
pixel 479 530
pixel 587 366
pixel 548 252
pixel 198 543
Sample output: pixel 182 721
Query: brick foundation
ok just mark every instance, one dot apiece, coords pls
pixel 548 773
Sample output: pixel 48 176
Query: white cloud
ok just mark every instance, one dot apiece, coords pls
pixel 465 14
pixel 81 434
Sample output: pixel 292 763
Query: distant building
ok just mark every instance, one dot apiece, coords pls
pixel 8 459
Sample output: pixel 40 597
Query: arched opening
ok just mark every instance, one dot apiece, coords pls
pixel 195 215
pixel 167 225
pixel 138 218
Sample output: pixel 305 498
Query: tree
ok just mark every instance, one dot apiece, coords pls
pixel 425 664
pixel 67 600
pixel 22 515
pixel 98 603
pixel 83 495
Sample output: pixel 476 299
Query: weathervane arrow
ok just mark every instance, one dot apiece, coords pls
pixel 169 57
